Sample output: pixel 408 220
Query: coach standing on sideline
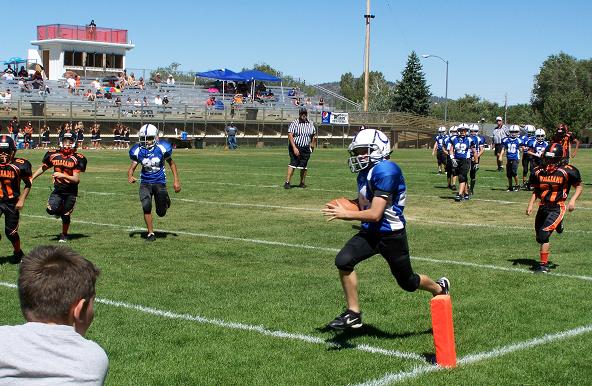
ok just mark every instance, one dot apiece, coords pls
pixel 499 133
pixel 302 141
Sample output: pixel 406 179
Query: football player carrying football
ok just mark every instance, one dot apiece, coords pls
pixel 151 154
pixel 381 198
pixel 551 183
pixel 67 165
pixel 12 172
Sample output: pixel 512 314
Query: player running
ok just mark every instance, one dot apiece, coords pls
pixel 552 182
pixel 12 172
pixel 381 197
pixel 67 165
pixel 152 154
pixel 438 149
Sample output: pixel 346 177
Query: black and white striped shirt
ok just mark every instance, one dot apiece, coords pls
pixel 302 132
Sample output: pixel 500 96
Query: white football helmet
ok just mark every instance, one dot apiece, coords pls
pixel 148 136
pixel 376 144
pixel 474 128
pixel 540 135
pixel 442 129
pixel 462 129
pixel 514 131
pixel 452 131
pixel 530 129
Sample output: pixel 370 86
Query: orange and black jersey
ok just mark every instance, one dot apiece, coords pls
pixel 67 164
pixel 11 175
pixel 552 186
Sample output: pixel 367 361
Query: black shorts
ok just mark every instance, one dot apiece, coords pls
pixel 547 219
pixel 301 161
pixel 512 168
pixel 441 157
pixel 392 246
pixel 462 167
pixel 498 148
pixel 11 218
pixel 161 198
pixel 525 165
pixel 61 203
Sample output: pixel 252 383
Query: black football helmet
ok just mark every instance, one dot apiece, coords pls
pixel 7 149
pixel 553 155
pixel 68 144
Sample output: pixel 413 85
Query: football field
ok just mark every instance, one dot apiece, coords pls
pixel 241 280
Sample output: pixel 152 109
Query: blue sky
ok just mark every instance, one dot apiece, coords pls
pixel 493 48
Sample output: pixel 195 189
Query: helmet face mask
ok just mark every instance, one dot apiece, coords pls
pixel 553 156
pixel 68 144
pixel 539 135
pixel 148 136
pixel 514 131
pixel 368 147
pixel 7 149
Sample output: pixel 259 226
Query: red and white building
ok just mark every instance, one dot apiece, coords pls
pixel 86 50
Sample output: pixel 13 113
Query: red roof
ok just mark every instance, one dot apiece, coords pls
pixel 85 33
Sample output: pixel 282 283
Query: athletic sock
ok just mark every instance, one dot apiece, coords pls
pixel 16 246
pixel 545 258
pixel 65 228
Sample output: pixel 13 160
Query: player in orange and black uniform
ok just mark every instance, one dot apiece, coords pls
pixel 552 182
pixel 67 165
pixel 12 172
pixel 565 138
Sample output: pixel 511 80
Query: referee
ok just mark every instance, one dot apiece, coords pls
pixel 499 133
pixel 302 141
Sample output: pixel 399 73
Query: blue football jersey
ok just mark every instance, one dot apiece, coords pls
pixel 477 141
pixel 385 180
pixel 536 146
pixel 461 146
pixel 440 141
pixel 152 161
pixel 512 146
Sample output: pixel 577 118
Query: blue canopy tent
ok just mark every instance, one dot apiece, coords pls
pixel 252 75
pixel 16 61
pixel 224 75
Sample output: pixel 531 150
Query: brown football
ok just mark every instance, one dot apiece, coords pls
pixel 346 203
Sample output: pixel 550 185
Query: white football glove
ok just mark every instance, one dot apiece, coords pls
pixel 453 162
pixel 475 167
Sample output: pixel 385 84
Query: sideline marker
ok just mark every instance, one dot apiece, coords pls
pixel 443 330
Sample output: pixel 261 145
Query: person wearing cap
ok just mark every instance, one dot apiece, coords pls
pixel 170 80
pixel 302 141
pixel 499 133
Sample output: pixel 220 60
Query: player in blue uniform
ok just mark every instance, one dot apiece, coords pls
pixel 451 179
pixel 152 154
pixel 535 149
pixel 438 149
pixel 477 151
pixel 512 146
pixel 526 138
pixel 461 151
pixel 381 198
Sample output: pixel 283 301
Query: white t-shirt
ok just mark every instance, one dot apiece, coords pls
pixel 71 82
pixel 49 354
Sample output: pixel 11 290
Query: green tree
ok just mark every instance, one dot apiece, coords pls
pixel 412 94
pixel 173 69
pixel 562 92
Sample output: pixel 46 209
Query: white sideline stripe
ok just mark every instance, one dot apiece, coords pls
pixel 474 358
pixel 317 210
pixel 313 247
pixel 248 327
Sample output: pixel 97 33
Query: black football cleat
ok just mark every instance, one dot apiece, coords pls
pixel 287 185
pixel 16 257
pixel 542 268
pixel 150 237
pixel 560 227
pixel 348 319
pixel 63 238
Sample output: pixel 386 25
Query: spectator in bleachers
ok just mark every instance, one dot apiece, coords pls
pixel 157 79
pixel 141 83
pixel 165 100
pixel 145 102
pixel 23 86
pixel 131 80
pixel 95 84
pixel 137 103
pixel 118 101
pixel 6 100
pixel 292 92
pixel 211 102
pixel 22 72
pixel 71 85
pixel 321 103
pixel 121 81
pixel 129 101
pixel 170 80
pixel 158 100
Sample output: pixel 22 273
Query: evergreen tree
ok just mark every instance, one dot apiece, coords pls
pixel 412 94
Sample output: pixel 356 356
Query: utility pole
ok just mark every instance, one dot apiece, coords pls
pixel 506 108
pixel 367 16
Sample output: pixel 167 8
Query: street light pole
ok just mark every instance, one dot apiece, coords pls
pixel 367 16
pixel 425 56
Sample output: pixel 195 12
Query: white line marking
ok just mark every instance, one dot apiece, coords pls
pixel 474 358
pixel 317 210
pixel 311 247
pixel 248 327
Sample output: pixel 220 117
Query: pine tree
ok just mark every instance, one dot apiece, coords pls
pixel 412 94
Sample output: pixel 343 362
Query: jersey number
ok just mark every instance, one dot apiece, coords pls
pixel 151 165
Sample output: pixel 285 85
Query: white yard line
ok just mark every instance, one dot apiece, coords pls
pixel 310 247
pixel 418 371
pixel 252 328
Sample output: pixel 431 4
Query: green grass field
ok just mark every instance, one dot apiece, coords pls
pixel 241 281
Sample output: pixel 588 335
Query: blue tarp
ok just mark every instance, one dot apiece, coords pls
pixel 251 75
pixel 223 74
pixel 15 60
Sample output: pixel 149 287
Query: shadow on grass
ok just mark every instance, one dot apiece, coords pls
pixel 159 235
pixel 447 197
pixel 532 264
pixel 54 237
pixel 342 338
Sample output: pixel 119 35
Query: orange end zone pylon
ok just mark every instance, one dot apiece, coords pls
pixel 443 330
